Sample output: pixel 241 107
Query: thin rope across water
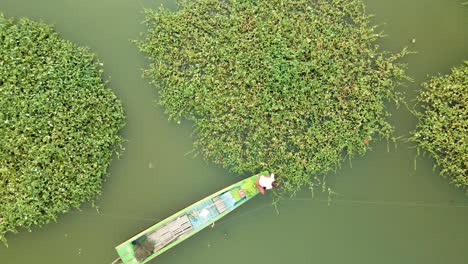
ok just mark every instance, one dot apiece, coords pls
pixel 117 216
pixel 385 203
pixel 350 202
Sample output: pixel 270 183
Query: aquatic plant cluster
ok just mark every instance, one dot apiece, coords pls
pixel 289 86
pixel 442 129
pixel 58 125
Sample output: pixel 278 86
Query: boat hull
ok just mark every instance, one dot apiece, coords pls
pixel 164 235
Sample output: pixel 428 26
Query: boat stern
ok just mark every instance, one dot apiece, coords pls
pixel 127 253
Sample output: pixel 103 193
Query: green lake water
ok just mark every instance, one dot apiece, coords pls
pixel 387 212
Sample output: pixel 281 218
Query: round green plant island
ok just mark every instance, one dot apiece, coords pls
pixel 442 130
pixel 287 86
pixel 59 125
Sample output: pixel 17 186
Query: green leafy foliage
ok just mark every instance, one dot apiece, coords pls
pixel 288 86
pixel 58 125
pixel 442 129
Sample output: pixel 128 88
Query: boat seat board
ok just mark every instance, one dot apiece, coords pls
pixel 169 231
pixel 220 205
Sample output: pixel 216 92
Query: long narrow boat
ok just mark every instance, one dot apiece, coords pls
pixel 176 228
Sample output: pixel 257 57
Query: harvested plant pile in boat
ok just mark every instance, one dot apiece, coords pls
pixel 58 125
pixel 288 86
pixel 442 129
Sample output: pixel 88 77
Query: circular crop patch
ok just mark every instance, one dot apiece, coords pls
pixel 278 85
pixel 59 125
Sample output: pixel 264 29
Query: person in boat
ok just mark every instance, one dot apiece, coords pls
pixel 265 182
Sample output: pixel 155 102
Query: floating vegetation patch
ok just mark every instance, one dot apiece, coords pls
pixel 287 86
pixel 442 130
pixel 59 125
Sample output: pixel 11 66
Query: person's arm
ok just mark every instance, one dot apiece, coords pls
pixel 257 184
pixel 260 189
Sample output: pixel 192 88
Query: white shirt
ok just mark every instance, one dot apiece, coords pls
pixel 266 181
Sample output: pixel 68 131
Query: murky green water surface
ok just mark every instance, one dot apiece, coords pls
pixel 387 212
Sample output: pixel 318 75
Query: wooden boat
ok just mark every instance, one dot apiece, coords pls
pixel 176 228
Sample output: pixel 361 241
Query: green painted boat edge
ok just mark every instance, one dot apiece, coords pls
pixel 126 252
